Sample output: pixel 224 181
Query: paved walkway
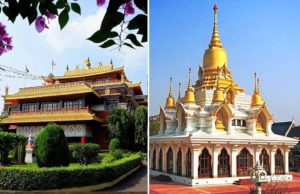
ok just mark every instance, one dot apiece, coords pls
pixel 157 187
pixel 136 182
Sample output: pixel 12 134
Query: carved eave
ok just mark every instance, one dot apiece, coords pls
pixel 163 112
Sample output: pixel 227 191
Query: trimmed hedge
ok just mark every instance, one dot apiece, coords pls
pixel 114 144
pixel 86 153
pixel 22 178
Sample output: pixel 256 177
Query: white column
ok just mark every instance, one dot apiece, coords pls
pixel 230 130
pixel 151 157
pixel 216 160
pixel 251 125
pixel 257 154
pixel 164 161
pixel 286 161
pixel 234 154
pixel 183 161
pixel 189 124
pixel 273 151
pixel 175 150
pixel 213 124
pixel 195 163
pixel 157 159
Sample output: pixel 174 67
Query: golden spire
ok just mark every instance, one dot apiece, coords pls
pixel 87 62
pixel 189 94
pixel 179 86
pixel 215 39
pixel 256 98
pixel 170 102
pixel 218 94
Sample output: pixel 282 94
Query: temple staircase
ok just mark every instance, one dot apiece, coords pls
pixel 243 182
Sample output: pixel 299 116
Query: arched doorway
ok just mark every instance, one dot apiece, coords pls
pixel 179 162
pixel 189 163
pixel 170 161
pixel 264 160
pixel 205 168
pixel 160 160
pixel 154 160
pixel 279 162
pixel 224 166
pixel 244 163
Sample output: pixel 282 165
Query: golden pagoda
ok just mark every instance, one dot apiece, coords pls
pixel 256 98
pixel 190 94
pixel 170 102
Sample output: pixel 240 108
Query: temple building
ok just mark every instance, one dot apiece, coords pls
pixel 216 133
pixel 79 101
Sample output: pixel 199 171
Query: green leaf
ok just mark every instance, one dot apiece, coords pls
pixel 142 5
pixel 42 8
pixel 108 43
pixel 133 39
pixel 114 5
pixel 111 20
pixel 52 8
pixel 60 4
pixel 32 14
pixel 129 45
pixel 63 17
pixel 139 22
pixel 76 8
pixel 100 36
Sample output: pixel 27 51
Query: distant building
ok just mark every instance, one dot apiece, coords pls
pixel 80 101
pixel 288 129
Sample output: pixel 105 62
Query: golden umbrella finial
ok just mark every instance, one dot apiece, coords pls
pixel 215 38
pixel 170 102
pixel 189 94
pixel 179 86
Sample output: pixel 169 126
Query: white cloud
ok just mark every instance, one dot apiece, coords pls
pixel 75 33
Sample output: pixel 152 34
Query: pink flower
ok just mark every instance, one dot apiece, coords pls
pixel 40 24
pixel 5 40
pixel 50 15
pixel 128 7
pixel 100 2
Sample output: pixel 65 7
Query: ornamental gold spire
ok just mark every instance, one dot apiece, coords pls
pixel 170 102
pixel 189 94
pixel 218 94
pixel 256 98
pixel 179 86
pixel 215 38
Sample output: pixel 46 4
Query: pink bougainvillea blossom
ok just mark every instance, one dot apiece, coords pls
pixel 128 7
pixel 5 40
pixel 50 15
pixel 100 2
pixel 40 24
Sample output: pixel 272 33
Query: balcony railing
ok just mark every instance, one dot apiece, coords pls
pixel 50 112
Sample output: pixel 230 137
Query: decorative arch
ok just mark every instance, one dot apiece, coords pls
pixel 224 164
pixel 223 114
pixel 154 159
pixel 179 162
pixel 244 163
pixel 170 161
pixel 160 159
pixel 230 95
pixel 264 160
pixel 262 118
pixel 180 116
pixel 279 167
pixel 205 166
pixel 189 163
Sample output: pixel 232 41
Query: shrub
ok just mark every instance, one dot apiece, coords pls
pixel 51 147
pixel 114 144
pixel 140 128
pixel 86 153
pixel 9 142
pixel 30 178
pixel 118 154
pixel 21 153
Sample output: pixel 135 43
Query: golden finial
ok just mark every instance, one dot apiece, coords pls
pixel 189 94
pixel 170 102
pixel 179 86
pixel 256 98
pixel 111 61
pixel 67 67
pixel 87 62
pixel 215 39
pixel 218 94
pixel 6 90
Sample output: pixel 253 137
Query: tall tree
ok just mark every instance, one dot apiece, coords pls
pixel 141 123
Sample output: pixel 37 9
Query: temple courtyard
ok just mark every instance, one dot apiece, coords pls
pixel 158 187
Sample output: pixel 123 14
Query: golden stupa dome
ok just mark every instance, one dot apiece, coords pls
pixel 256 98
pixel 218 94
pixel 170 102
pixel 215 56
pixel 189 93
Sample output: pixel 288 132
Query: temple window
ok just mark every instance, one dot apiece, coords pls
pixel 160 160
pixel 278 162
pixel 205 168
pixel 233 122
pixel 69 104
pixel 224 166
pixel 264 160
pixel 179 162
pixel 30 107
pixel 154 160
pixel 50 106
pixel 244 163
pixel 170 161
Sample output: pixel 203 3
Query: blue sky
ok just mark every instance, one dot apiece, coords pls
pixel 69 46
pixel 259 36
